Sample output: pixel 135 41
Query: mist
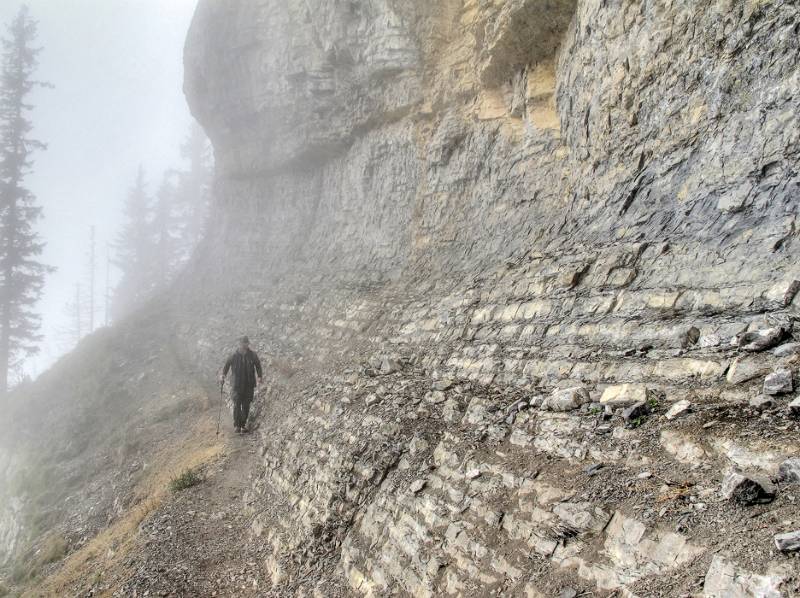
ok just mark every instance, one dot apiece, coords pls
pixel 116 103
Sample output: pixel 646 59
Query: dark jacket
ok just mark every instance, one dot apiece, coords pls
pixel 242 366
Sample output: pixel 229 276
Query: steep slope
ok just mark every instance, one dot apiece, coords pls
pixel 455 230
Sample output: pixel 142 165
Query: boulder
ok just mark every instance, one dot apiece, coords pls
pixel 678 409
pixel 747 489
pixel 567 399
pixel 788 542
pixel 778 382
pixel 623 395
pixel 761 340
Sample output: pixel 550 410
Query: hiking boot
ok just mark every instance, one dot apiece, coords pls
pixel 238 430
pixel 245 430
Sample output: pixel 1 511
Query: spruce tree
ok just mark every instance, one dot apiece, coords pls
pixel 134 250
pixel 21 273
pixel 193 193
pixel 164 257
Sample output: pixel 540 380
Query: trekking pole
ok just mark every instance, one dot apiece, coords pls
pixel 221 400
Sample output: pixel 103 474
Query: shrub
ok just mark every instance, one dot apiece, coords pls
pixel 187 479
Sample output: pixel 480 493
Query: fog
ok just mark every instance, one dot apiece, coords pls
pixel 116 68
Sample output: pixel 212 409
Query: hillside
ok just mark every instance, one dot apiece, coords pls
pixel 524 276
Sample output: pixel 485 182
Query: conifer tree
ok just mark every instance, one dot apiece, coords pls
pixel 164 254
pixel 134 251
pixel 193 192
pixel 22 275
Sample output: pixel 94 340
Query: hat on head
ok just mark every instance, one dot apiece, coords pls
pixel 244 340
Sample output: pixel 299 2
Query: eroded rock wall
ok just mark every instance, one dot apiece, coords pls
pixel 427 212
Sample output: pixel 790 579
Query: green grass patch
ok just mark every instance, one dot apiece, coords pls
pixel 187 479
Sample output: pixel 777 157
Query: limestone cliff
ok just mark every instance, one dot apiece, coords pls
pixel 489 202
pixel 518 270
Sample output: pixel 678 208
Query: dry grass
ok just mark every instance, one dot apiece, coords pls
pixel 106 552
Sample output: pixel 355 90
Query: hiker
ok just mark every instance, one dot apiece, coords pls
pixel 244 365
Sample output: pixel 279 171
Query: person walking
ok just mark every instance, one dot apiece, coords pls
pixel 245 368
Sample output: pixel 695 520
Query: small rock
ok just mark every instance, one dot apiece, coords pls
pixel 779 382
pixel 604 429
pixel 635 412
pixel 783 293
pixel 762 402
pixel 593 469
pixel 760 340
pixel 794 408
pixel 435 397
pixel 788 542
pixel 443 384
pixel 517 406
pixel 390 365
pixel 536 402
pixel 678 409
pixel 473 473
pixel 511 418
pixel 417 445
pixel 568 593
pixel 710 424
pixel 709 340
pixel 371 399
pixel 789 470
pixel 567 399
pixel 746 368
pixel 624 394
pixel 417 486
pixel 645 475
pixel 747 489
pixel 786 350
pixel 689 338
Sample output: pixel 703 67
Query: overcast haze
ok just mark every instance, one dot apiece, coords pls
pixel 116 67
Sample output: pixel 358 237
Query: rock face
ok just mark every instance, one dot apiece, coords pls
pixel 527 197
pixel 524 198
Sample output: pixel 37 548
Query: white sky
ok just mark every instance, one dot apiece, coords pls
pixel 117 69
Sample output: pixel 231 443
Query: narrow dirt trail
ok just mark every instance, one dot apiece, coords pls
pixel 196 543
